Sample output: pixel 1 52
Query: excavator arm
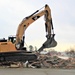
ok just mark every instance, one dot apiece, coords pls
pixel 27 21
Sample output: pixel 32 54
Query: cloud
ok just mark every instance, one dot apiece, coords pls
pixel 12 13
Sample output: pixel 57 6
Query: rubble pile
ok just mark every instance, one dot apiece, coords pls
pixel 45 61
pixel 61 63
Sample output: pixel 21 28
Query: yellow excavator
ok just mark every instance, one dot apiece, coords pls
pixel 13 50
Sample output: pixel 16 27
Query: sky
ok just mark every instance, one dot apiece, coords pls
pixel 12 13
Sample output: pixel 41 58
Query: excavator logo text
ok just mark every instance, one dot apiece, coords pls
pixel 35 17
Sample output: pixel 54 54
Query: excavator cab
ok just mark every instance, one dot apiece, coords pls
pixel 12 39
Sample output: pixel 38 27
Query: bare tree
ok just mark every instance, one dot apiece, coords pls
pixel 70 52
pixel 31 48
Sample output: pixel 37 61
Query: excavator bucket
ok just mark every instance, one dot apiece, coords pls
pixel 50 42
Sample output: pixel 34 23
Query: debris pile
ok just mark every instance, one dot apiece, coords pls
pixel 46 61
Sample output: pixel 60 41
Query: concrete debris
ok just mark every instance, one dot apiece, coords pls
pixel 45 61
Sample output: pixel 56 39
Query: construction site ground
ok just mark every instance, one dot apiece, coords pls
pixel 31 71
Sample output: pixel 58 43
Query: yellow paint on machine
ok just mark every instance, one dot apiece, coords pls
pixel 7 47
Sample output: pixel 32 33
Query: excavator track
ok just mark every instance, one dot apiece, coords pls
pixel 18 56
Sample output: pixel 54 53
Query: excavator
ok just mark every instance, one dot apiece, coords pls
pixel 13 50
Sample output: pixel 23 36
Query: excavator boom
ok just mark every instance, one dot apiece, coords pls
pixel 27 21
